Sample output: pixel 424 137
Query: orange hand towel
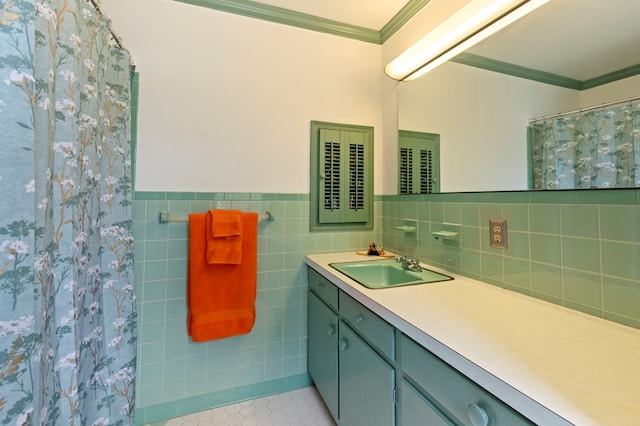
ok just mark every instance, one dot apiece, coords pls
pixel 221 297
pixel 224 236
pixel 225 223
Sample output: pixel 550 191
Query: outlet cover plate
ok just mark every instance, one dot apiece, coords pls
pixel 498 233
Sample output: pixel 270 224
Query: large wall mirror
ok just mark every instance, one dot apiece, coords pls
pixel 568 55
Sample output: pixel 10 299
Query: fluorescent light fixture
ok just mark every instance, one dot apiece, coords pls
pixel 473 23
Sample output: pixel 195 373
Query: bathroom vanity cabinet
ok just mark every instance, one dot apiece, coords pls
pixel 349 356
pixel 464 352
pixel 369 373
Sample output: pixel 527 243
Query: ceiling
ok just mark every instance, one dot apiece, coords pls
pixel 372 14
pixel 561 38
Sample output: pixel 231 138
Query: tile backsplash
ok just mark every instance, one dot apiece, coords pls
pixel 579 249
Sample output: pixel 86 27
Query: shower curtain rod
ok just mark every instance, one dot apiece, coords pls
pixel 117 39
pixel 591 108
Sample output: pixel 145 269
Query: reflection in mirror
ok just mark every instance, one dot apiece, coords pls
pixel 418 163
pixel 481 111
pixel 598 148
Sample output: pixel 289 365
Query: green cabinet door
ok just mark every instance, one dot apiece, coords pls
pixel 323 351
pixel 366 383
pixel 416 410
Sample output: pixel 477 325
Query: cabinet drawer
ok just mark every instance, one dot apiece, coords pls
pixel 323 288
pixel 460 396
pixel 376 330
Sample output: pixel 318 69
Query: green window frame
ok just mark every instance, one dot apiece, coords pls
pixel 341 177
pixel 135 95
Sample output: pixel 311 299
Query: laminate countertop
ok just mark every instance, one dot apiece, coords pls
pixel 554 365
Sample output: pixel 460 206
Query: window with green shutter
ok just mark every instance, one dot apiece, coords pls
pixel 418 162
pixel 341 176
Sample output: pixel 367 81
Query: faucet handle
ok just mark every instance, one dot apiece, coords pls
pixel 415 265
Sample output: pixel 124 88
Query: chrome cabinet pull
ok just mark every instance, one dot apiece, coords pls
pixel 477 415
pixel 343 345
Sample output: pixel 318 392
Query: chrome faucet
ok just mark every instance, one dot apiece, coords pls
pixel 409 264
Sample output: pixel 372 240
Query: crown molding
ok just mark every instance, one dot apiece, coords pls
pixel 611 77
pixel 517 71
pixel 542 76
pixel 401 18
pixel 292 18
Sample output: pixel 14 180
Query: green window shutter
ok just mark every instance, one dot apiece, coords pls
pixel 406 170
pixel 341 176
pixel 332 170
pixel 418 162
pixel 357 192
pixel 425 167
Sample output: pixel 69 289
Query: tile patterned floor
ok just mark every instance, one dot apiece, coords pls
pixel 302 407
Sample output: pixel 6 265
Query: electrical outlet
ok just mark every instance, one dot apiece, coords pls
pixel 498 233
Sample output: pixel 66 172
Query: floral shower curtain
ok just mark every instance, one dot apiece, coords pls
pixel 67 303
pixel 596 149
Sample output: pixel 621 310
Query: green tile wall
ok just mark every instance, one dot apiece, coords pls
pixel 177 376
pixel 579 249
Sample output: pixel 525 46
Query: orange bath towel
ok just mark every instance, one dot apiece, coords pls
pixel 224 236
pixel 221 297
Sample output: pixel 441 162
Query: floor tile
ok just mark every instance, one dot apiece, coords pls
pixel 302 407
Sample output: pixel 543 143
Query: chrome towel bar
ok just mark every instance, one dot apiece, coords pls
pixel 166 217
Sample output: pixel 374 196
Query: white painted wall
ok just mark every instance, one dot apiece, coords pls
pixel 226 100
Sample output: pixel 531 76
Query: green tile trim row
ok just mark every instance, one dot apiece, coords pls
pixel 216 399
pixel 618 196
